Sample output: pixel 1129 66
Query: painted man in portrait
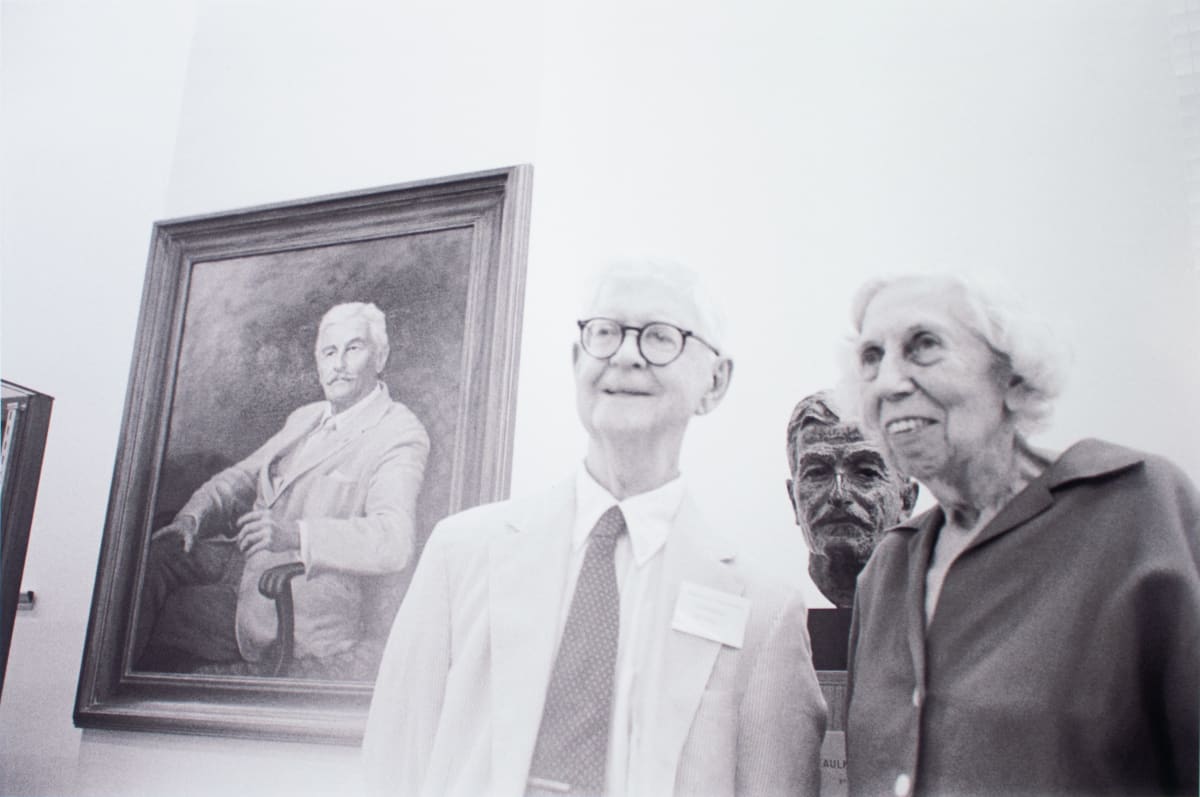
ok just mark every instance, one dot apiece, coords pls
pixel 335 490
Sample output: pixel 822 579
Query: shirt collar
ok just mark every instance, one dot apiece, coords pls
pixel 649 516
pixel 332 423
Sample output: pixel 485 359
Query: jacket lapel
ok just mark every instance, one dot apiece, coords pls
pixel 292 435
pixel 326 445
pixel 526 573
pixel 1025 505
pixel 1031 501
pixel 691 554
pixel 920 551
pixel 1086 459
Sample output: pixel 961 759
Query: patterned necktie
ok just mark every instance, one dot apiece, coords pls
pixel 572 743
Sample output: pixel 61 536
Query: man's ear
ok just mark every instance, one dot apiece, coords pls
pixel 381 358
pixel 792 499
pixel 908 496
pixel 722 373
pixel 575 353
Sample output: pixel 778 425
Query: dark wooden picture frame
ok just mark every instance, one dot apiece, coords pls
pixel 224 353
pixel 25 428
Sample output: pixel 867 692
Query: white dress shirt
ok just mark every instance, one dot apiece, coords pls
pixel 649 518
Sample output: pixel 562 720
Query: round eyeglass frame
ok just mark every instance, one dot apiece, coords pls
pixel 684 335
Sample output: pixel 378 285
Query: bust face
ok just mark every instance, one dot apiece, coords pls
pixel 845 496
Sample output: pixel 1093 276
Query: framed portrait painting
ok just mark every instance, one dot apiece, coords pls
pixel 314 385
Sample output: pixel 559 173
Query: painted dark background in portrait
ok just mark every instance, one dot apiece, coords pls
pixel 246 362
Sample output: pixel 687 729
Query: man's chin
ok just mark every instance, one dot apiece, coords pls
pixel 618 422
pixel 343 393
pixel 846 544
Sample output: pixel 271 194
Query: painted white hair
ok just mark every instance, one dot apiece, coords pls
pixel 368 311
pixel 678 278
pixel 1023 343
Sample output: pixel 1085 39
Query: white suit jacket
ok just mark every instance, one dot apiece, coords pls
pixel 460 692
pixel 354 491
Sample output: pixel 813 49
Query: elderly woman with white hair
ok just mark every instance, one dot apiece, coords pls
pixel 1037 632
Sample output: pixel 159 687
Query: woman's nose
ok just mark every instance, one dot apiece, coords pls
pixel 893 379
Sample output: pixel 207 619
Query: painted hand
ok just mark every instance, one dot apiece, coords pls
pixel 185 526
pixel 261 530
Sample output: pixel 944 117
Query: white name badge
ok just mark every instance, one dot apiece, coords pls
pixel 712 614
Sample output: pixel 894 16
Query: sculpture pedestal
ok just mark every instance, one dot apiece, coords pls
pixel 829 630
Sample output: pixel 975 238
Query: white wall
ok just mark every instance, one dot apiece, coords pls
pixel 788 149
pixel 90 108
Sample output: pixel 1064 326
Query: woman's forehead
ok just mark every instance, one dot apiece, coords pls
pixel 911 303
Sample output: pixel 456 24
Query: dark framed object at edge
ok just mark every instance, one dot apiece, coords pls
pixel 26 422
pixel 224 353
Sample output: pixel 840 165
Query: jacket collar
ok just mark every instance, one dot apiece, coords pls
pixel 1086 460
pixel 363 417
pixel 1091 459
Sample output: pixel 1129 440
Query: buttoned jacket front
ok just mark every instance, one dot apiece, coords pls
pixel 353 489
pixel 459 697
pixel 1064 654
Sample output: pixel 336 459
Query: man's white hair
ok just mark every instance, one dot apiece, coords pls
pixel 368 311
pixel 678 278
pixel 1021 342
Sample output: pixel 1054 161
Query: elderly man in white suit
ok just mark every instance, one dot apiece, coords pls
pixel 518 665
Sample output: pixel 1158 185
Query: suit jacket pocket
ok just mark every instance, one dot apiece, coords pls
pixel 709 761
pixel 332 494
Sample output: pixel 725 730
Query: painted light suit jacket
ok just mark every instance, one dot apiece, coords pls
pixel 354 492
pixel 1064 654
pixel 459 697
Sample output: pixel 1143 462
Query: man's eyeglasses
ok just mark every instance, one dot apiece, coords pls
pixel 660 343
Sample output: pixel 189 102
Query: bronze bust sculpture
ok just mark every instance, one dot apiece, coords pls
pixel 845 495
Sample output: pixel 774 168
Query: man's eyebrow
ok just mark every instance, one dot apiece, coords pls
pixel 356 339
pixel 862 344
pixel 814 416
pixel 815 456
pixel 867 455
